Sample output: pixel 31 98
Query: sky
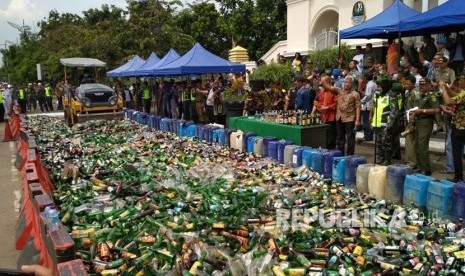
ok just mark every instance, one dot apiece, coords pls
pixel 30 12
pixel 33 11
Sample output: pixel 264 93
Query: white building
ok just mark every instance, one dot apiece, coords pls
pixel 314 24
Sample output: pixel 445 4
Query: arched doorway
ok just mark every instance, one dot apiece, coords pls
pixel 324 29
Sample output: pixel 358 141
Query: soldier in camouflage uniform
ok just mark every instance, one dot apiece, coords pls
pixel 388 106
pixel 424 119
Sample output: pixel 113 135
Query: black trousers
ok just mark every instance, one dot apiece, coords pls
pixel 2 113
pixel 23 106
pixel 186 110
pixel 458 141
pixel 331 139
pixel 345 132
pixel 43 104
pixel 210 113
pixel 49 103
pixel 147 105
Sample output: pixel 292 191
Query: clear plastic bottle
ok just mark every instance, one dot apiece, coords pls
pixel 53 219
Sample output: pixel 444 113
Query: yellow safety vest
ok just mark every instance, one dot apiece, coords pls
pixel 382 110
pixel 47 92
pixel 1 97
pixel 380 104
pixel 21 94
pixel 193 94
pixel 146 93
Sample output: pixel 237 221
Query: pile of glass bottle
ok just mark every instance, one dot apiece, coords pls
pixel 140 202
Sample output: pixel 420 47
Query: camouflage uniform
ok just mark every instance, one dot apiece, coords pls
pixel 393 114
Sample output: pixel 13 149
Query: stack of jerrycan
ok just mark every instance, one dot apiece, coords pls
pixel 219 136
pixel 352 162
pixel 236 140
pixel 258 146
pixel 339 169
pixel 318 160
pixel 395 182
pixel 297 157
pixel 251 143
pixel 458 199
pixel 439 199
pixel 307 155
pixel 288 154
pixel 245 142
pixel 377 179
pixel 190 131
pixel 362 177
pixel 281 145
pixel 273 150
pixel 328 158
pixel 266 141
pixel 227 136
pixel 416 190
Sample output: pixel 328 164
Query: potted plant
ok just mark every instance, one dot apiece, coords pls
pixel 234 98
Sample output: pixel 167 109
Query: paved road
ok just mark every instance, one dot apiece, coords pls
pixel 10 183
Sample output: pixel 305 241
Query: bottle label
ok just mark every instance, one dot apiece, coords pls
pixel 460 254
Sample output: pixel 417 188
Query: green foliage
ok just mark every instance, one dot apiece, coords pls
pixel 330 57
pixel 274 72
pixel 231 96
pixel 114 34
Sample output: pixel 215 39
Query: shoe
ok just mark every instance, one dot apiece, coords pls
pixel 446 172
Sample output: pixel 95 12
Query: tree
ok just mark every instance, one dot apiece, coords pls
pixel 255 25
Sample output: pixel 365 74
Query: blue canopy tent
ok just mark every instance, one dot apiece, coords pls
pixel 448 17
pixel 137 62
pixel 384 25
pixel 149 69
pixel 117 71
pixel 199 61
pixel 153 58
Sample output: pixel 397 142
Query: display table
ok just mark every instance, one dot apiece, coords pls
pixel 313 136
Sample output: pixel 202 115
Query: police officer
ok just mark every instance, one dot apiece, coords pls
pixel 22 99
pixel 424 120
pixel 31 97
pixel 147 97
pixel 49 97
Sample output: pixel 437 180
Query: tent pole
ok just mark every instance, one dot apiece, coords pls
pixel 398 61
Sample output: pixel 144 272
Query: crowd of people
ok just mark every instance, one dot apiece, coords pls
pixel 418 92
pixel 30 98
pixel 196 100
pixel 415 93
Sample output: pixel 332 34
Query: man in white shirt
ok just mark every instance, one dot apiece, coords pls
pixel 367 103
pixel 359 58
pixel 7 100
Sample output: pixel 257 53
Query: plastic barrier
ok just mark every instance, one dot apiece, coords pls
pixel 72 268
